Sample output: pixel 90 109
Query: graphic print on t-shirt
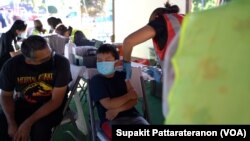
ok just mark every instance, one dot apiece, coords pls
pixel 36 89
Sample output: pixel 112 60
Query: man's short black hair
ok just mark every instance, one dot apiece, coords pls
pixel 108 48
pixel 32 44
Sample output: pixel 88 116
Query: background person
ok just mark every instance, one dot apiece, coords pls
pixel 53 22
pixel 62 30
pixel 164 24
pixel 8 41
pixel 38 28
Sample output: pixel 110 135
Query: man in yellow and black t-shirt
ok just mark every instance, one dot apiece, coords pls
pixel 40 80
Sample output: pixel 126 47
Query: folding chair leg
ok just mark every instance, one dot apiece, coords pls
pixel 93 129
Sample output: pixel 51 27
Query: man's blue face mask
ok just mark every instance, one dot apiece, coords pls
pixel 106 67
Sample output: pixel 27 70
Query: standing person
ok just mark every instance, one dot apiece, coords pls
pixel 38 28
pixel 212 68
pixel 62 30
pixel 40 80
pixel 115 98
pixel 8 41
pixel 164 24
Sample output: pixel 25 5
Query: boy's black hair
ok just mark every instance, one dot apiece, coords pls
pixel 108 48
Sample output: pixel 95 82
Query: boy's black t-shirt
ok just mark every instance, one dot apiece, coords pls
pixel 102 87
pixel 34 83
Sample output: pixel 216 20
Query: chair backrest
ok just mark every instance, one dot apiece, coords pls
pixel 68 52
pixel 68 116
pixel 77 75
pixel 136 81
pixel 85 55
pixel 57 43
pixel 89 73
pixel 97 43
pixel 138 84
pixel 80 121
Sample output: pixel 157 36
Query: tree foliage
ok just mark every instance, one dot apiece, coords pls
pixel 198 5
pixel 92 7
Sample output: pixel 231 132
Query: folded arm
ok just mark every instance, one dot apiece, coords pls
pixel 130 104
pixel 112 113
pixel 112 103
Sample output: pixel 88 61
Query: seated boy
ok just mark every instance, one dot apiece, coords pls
pixel 114 97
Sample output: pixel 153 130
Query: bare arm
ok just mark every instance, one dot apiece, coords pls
pixel 112 113
pixel 14 53
pixel 139 36
pixel 112 103
pixel 8 106
pixel 23 131
pixel 131 103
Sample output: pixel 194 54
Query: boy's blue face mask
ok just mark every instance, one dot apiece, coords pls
pixel 106 67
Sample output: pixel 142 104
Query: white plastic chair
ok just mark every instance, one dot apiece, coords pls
pixel 85 56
